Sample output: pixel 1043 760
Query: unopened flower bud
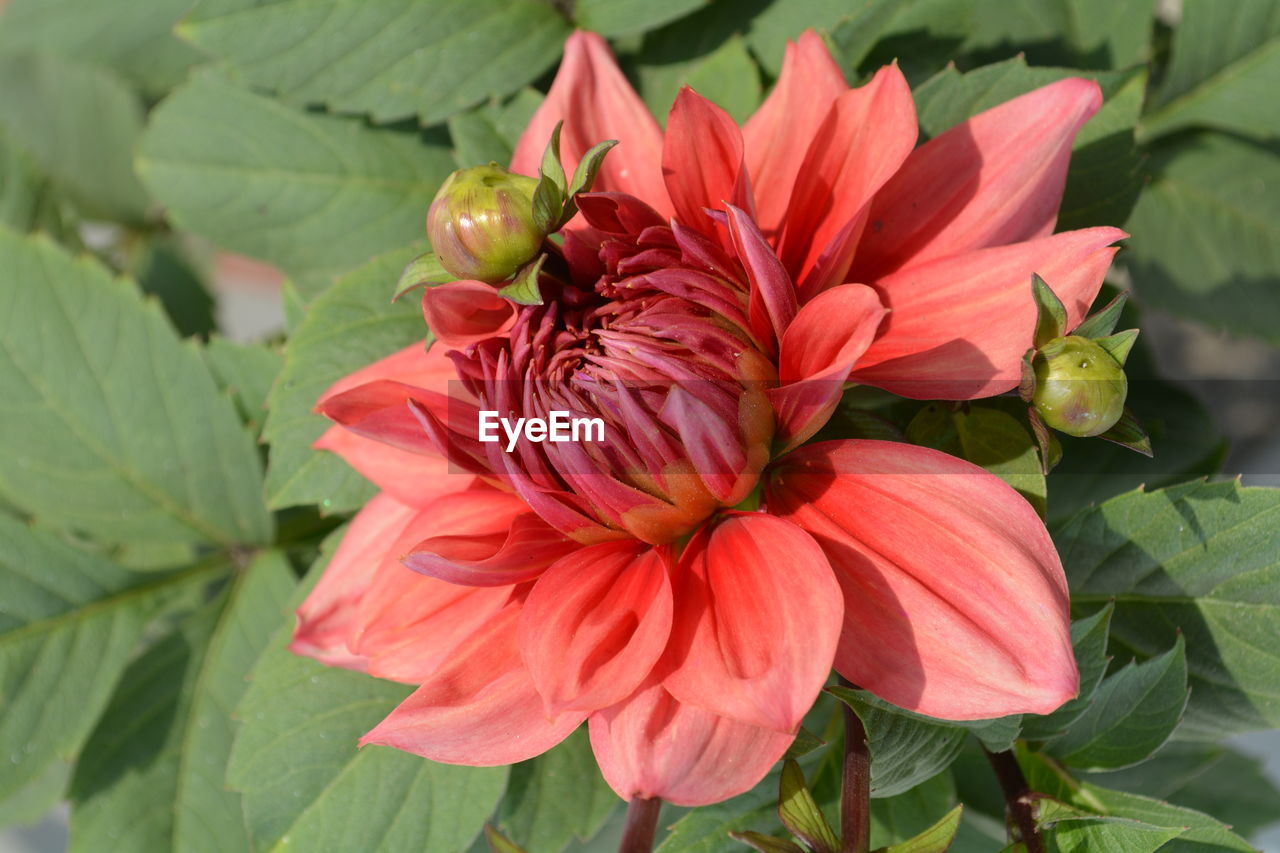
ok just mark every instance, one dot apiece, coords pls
pixel 1080 388
pixel 481 223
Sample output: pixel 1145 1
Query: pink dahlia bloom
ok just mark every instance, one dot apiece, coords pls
pixel 686 585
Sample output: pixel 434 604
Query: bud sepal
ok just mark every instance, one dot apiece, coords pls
pixel 1074 381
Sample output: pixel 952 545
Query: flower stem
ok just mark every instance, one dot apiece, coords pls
pixel 642 825
pixel 855 786
pixel 1014 786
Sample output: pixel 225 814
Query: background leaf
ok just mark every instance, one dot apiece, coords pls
pixel 69 622
pixel 80 122
pixel 1094 34
pixel 313 194
pixel 614 18
pixel 351 325
pixel 1197 559
pixel 1206 234
pixel 1132 713
pixel 114 427
pixel 165 737
pixel 558 796
pixel 389 58
pixel 307 787
pixel 1225 70
pixel 135 39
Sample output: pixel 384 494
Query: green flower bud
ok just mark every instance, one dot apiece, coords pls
pixel 1080 388
pixel 481 223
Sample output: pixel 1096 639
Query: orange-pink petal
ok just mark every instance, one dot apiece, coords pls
pixel 994 179
pixel 778 136
pixel 480 708
pixel 867 134
pixel 595 102
pixel 462 313
pixel 757 618
pixel 955 602
pixel 958 326
pixel 595 624
pixel 820 347
pixel 327 616
pixel 702 162
pixel 485 537
pixel 653 745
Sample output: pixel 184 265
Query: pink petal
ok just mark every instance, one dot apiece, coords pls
pixel 411 478
pixel 596 103
pixel 955 603
pixel 406 625
pixel 380 411
pixel 772 301
pixel 480 708
pixel 864 139
pixel 653 745
pixel 757 618
pixel 958 326
pixel 326 617
pixel 989 181
pixel 485 537
pixel 595 624
pixel 702 161
pixel 828 336
pixel 777 137
pixel 462 313
pixel 413 365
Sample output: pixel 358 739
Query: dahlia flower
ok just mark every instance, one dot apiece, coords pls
pixel 686 585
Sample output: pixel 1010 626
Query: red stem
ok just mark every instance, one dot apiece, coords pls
pixel 642 825
pixel 1014 786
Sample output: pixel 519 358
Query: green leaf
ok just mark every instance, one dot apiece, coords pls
pixel 524 289
pixel 1197 559
pixel 556 797
pixel 1209 778
pixel 1197 832
pixel 935 839
pixel 391 59
pixel 905 748
pixel 490 132
pixel 307 787
pixel 1089 641
pixel 1225 70
pixel 768 32
pixel 614 18
pixel 246 372
pixel 349 326
pixel 114 426
pixel 1132 713
pixel 897 819
pixel 987 437
pixel 80 123
pixel 1078 33
pixel 1075 831
pixel 27 198
pixel 1186 442
pixel 1104 180
pixel 1051 314
pixel 707 829
pixel 135 39
pixel 315 195
pixel 423 271
pixel 165 737
pixel 162 270
pixel 1206 234
pixel 729 77
pixel 800 813
pixel 766 843
pixel 69 622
